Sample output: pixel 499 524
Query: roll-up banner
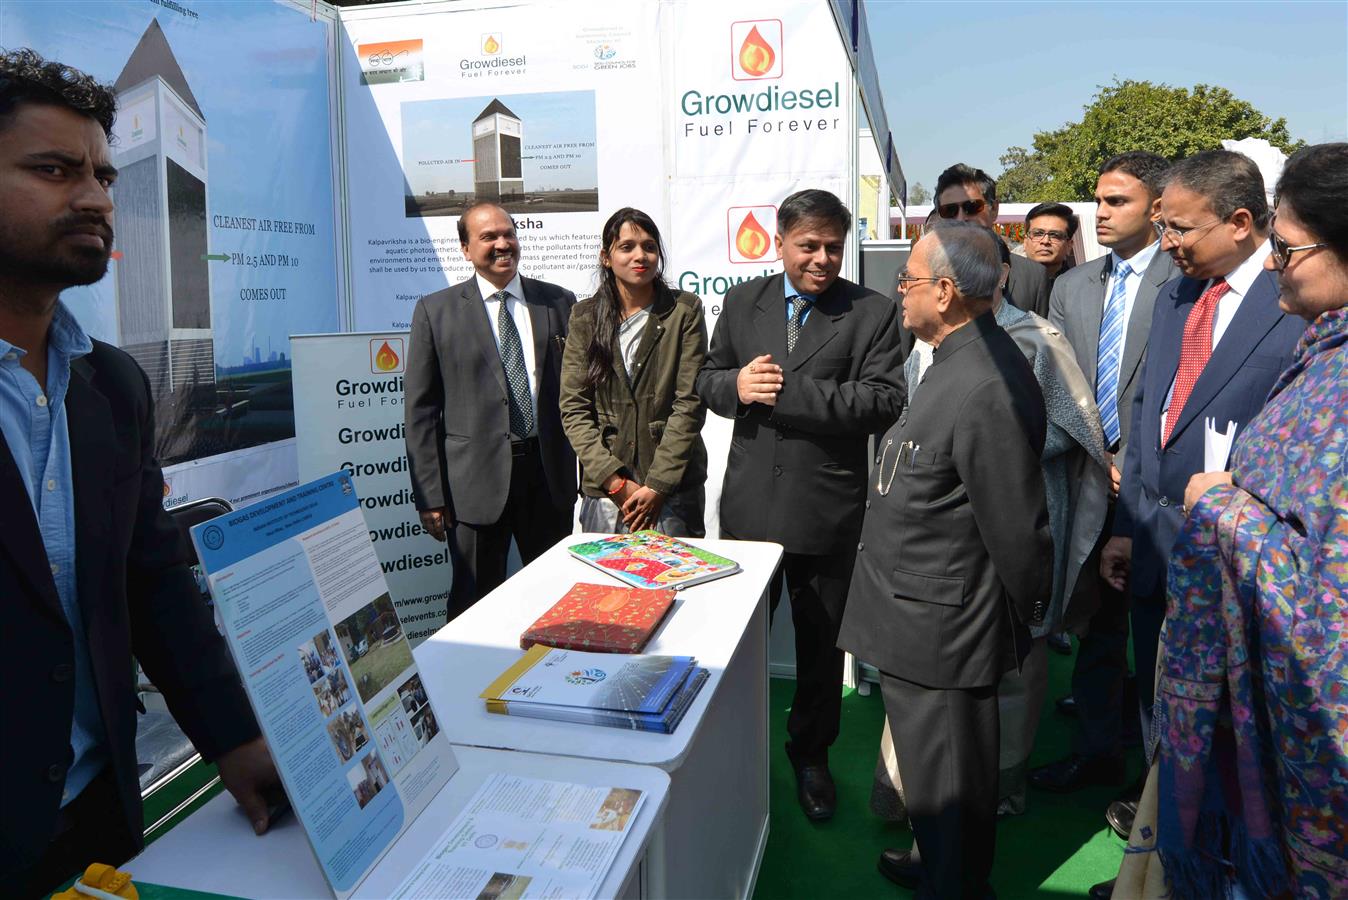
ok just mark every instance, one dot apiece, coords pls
pixel 350 387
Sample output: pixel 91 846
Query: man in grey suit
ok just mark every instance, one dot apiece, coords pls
pixel 954 555
pixel 808 366
pixel 1104 307
pixel 966 194
pixel 485 447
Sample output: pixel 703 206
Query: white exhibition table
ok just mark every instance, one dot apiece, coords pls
pixel 715 827
pixel 215 850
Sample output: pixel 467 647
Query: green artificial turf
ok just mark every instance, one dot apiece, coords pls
pixel 1059 848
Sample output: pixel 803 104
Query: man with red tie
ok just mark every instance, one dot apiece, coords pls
pixel 1218 342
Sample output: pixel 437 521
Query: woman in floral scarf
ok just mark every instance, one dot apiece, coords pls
pixel 1252 699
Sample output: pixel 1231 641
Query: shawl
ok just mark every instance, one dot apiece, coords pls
pixel 1252 696
pixel 1076 466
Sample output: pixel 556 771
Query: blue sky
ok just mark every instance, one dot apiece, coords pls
pixel 962 81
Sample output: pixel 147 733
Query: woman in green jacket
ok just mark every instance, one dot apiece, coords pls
pixel 629 399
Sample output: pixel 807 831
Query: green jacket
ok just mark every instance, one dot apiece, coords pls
pixel 647 428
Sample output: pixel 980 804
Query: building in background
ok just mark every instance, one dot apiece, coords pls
pixel 498 136
pixel 163 286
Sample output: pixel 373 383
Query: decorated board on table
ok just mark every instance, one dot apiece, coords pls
pixel 648 559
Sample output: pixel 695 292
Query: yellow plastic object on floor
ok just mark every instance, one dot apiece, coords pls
pixel 102 881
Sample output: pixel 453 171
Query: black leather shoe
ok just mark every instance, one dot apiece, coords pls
pixel 1072 773
pixel 816 793
pixel 1120 816
pixel 1102 891
pixel 1066 706
pixel 1060 643
pixel 898 867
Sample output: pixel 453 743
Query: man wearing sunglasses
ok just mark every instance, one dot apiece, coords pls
pixel 1218 342
pixel 966 194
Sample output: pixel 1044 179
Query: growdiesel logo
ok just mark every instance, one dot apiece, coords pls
pixel 749 231
pixel 756 49
pixel 491 43
pixel 386 356
pixel 490 60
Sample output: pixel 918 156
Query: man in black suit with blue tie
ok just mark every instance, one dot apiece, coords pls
pixel 1218 342
pixel 808 366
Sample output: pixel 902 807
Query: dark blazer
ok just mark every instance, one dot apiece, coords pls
pixel 649 425
pixel 1027 286
pixel 956 547
pixel 796 471
pixel 136 595
pixel 458 408
pixel 1255 348
pixel 1077 307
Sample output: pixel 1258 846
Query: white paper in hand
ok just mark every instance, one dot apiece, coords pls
pixel 1217 445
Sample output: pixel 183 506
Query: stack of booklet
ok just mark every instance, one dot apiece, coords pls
pixel 636 691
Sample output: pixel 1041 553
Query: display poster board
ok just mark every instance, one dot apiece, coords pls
pixel 328 668
pixel 555 110
pixel 225 241
pixel 350 387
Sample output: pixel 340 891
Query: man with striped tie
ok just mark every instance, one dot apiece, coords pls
pixel 485 448
pixel 1104 307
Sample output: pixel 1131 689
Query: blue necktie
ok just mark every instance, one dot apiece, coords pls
pixel 1111 354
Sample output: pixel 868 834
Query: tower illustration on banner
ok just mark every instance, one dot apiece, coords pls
pixel 163 287
pixel 497 137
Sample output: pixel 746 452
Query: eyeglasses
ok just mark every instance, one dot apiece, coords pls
pixel 1039 234
pixel 970 207
pixel 905 281
pixel 1282 253
pixel 1179 234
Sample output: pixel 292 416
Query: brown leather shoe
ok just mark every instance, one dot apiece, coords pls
pixel 816 793
pixel 898 866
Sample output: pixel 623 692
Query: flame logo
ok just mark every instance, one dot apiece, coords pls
pixel 756 55
pixel 752 241
pixel 491 45
pixel 386 360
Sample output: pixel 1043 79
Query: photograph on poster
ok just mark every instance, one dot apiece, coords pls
pixel 319 656
pixel 424 726
pixel 504 886
pixel 374 645
pixel 367 779
pixel 412 694
pixel 331 692
pixel 532 153
pixel 348 732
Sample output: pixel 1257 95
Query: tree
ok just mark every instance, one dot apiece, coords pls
pixel 1133 115
pixel 918 195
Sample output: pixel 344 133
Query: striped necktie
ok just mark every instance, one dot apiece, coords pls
pixel 517 376
pixel 1110 354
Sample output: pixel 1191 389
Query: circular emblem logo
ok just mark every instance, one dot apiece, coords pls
pixel 605 51
pixel 485 841
pixel 213 537
pixel 586 676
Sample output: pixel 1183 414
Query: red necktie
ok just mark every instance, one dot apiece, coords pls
pixel 1194 352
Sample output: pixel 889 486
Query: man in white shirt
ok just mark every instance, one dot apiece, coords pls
pixel 1104 307
pixel 486 452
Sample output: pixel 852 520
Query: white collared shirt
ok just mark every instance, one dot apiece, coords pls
pixel 519 311
pixel 1240 279
pixel 1137 267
